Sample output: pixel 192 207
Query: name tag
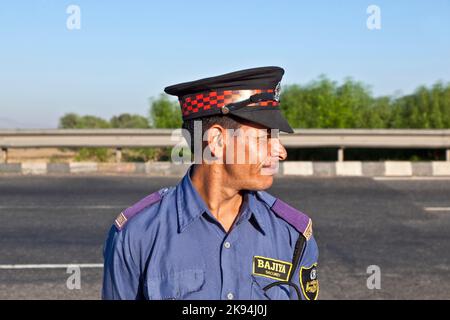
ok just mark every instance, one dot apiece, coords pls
pixel 271 268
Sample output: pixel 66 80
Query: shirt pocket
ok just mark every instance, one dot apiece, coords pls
pixel 279 292
pixel 174 286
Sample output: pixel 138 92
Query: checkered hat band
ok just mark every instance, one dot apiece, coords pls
pixel 209 102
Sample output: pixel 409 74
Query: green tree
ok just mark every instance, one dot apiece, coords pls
pixel 74 121
pixel 324 104
pixel 93 122
pixel 426 108
pixel 378 115
pixel 444 102
pixel 132 121
pixel 69 121
pixel 164 113
pixel 321 103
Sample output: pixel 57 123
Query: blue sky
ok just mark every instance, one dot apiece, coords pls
pixel 128 51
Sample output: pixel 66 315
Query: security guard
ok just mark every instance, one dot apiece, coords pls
pixel 218 234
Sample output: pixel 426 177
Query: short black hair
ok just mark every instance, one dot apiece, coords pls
pixel 225 121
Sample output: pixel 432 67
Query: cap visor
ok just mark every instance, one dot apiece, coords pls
pixel 272 119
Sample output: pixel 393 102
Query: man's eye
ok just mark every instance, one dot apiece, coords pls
pixel 262 139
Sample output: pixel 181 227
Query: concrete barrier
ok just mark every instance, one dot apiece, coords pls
pixel 349 168
pixel 298 168
pixel 397 168
pixel 165 168
pixel 58 168
pixel 324 169
pixel 440 168
pixel 372 169
pixel 139 168
pixel 422 169
pixel 34 168
pixel 123 167
pixel 10 168
pixel 83 167
pixel 288 168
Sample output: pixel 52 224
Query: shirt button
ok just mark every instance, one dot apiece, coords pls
pixel 227 245
pixel 230 296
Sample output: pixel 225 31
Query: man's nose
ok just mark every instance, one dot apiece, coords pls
pixel 277 149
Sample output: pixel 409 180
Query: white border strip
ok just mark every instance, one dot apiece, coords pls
pixel 437 209
pixel 409 178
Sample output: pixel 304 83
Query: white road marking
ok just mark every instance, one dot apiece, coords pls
pixel 49 266
pixel 437 209
pixel 411 178
pixel 64 207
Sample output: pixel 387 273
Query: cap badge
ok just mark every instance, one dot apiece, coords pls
pixel 277 92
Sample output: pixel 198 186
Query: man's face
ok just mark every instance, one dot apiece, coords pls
pixel 252 154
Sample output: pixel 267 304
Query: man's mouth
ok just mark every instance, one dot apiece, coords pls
pixel 270 168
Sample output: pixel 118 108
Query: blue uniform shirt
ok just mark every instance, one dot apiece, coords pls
pixel 169 246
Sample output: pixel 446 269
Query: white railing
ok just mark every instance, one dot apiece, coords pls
pixel 302 138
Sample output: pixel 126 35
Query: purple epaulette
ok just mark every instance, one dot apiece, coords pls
pixel 130 212
pixel 300 221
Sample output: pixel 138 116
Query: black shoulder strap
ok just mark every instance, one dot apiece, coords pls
pixel 298 254
pixel 299 249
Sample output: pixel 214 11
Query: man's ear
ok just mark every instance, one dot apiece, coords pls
pixel 215 139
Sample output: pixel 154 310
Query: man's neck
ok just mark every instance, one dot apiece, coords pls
pixel 214 186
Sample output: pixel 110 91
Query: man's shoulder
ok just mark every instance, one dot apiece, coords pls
pixel 146 208
pixel 287 213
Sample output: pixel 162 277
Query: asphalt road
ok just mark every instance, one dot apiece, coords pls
pixel 358 222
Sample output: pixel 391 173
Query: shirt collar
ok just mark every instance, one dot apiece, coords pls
pixel 190 205
pixel 256 211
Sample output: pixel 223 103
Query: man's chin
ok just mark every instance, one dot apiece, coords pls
pixel 263 182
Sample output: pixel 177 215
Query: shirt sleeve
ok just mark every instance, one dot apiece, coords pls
pixel 121 274
pixel 306 275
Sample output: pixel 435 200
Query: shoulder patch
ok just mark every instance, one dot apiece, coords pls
pixel 130 212
pixel 300 221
